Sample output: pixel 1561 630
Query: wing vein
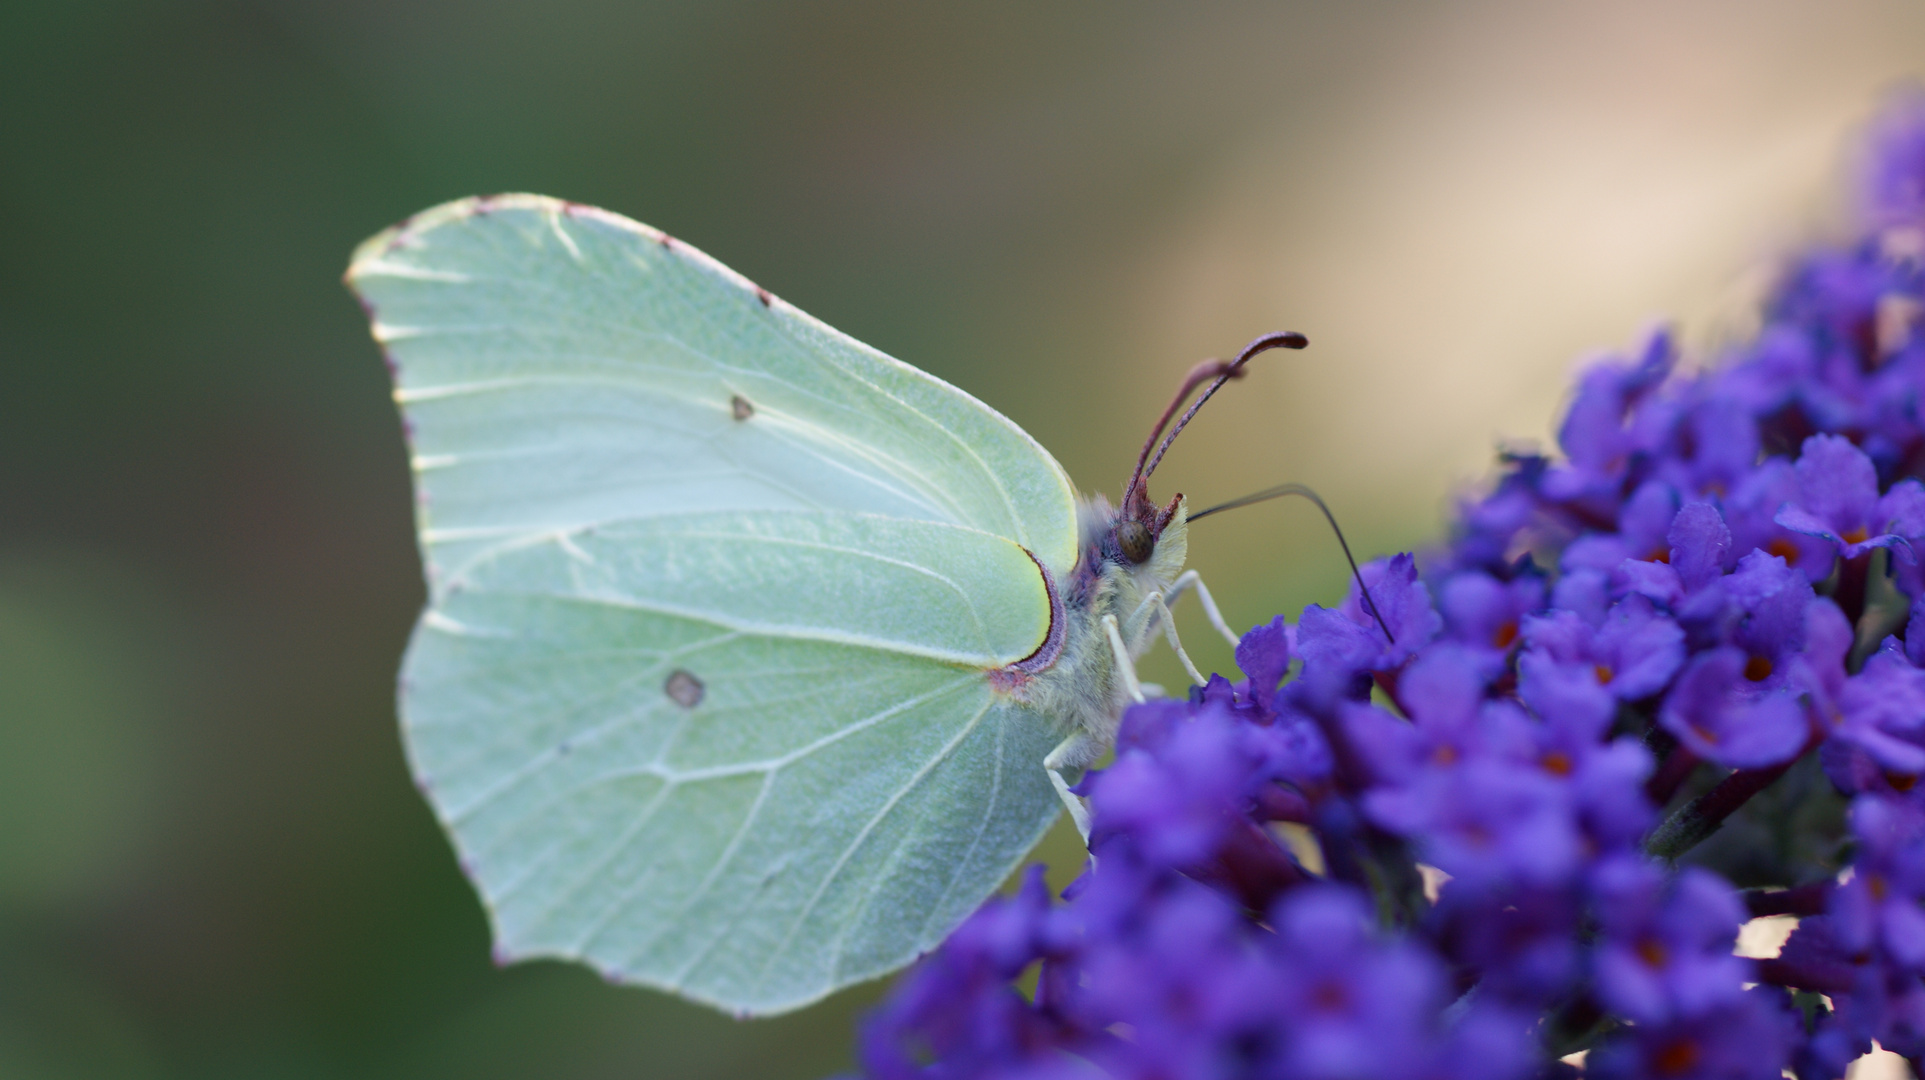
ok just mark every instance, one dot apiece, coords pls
pixel 989 812
pixel 977 661
pixel 848 853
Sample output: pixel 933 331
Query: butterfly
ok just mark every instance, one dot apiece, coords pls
pixel 753 659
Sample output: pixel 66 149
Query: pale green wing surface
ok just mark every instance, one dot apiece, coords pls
pixel 702 691
pixel 561 366
pixel 749 757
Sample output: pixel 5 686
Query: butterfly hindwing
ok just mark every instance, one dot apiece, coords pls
pixel 810 812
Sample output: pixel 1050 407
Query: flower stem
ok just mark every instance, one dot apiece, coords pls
pixel 1823 978
pixel 1849 594
pixel 1678 766
pixel 1699 818
pixel 1800 900
pixel 1575 1026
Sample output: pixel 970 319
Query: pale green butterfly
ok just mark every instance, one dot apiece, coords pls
pixel 745 644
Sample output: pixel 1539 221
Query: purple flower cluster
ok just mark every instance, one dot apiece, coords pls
pixel 1684 656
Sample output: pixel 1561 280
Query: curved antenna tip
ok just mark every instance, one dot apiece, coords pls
pixel 1219 373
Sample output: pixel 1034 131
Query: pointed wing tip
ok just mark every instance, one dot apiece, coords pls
pixel 369 254
pixel 371 258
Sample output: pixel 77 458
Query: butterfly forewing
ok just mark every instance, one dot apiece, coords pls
pixel 561 366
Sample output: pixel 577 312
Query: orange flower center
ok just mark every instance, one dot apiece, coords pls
pixel 1603 672
pixel 1856 536
pixel 1653 952
pixel 1505 634
pixel 1676 1059
pixel 1557 761
pixel 1784 549
pixel 1758 668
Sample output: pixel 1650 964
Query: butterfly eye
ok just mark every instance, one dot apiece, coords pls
pixel 1135 540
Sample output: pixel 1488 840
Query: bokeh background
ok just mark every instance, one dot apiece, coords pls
pixel 211 861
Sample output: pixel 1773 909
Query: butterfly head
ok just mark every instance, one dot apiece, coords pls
pixel 1134 540
pixel 1122 542
pixel 1137 532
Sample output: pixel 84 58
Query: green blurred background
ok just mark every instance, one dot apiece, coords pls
pixel 211 861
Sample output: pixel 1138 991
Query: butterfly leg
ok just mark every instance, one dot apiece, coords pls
pixel 1125 663
pixel 1081 748
pixel 1073 751
pixel 1190 579
pixel 1153 605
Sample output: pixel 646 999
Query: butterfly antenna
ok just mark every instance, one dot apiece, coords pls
pixel 1200 374
pixel 1221 372
pixel 1279 492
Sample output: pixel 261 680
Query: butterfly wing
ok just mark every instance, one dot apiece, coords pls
pixel 561 365
pixel 700 689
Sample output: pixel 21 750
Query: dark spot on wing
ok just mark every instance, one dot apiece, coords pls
pixel 740 408
pixel 684 689
pixel 762 294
